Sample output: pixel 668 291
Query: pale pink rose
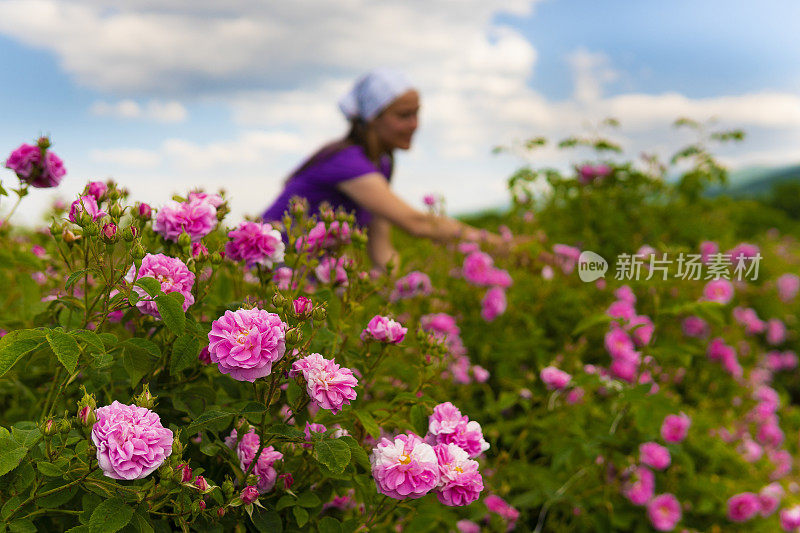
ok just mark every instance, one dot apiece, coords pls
pixel 626 294
pixel 196 217
pixel 770 498
pixel 85 204
pixel 566 257
pixel 694 326
pixel 547 272
pixel 170 272
pixel 788 285
pixel 282 278
pixel 384 329
pixel 445 419
pixel 444 328
pixel 742 507
pixel 776 331
pixel 790 518
pixel 718 290
pixel 255 244
pixel 493 304
pixel 554 378
pixel 405 467
pixel 246 451
pixel 332 270
pixel 640 487
pixel 675 427
pixel 131 442
pixel 245 343
pixel 499 506
pixel 664 512
pixel 38 251
pixel 654 455
pixel 460 483
pixel 329 385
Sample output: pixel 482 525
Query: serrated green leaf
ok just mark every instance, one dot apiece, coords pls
pixel 11 454
pixel 150 285
pixel 309 500
pixel 75 276
pixel 209 418
pixel 137 364
pixel 90 338
pixel 357 453
pixel 329 524
pixel 287 500
pixel 49 469
pixel 267 521
pixel 109 339
pixel 184 353
pixel 284 430
pixel 66 349
pixel 144 345
pixel 111 515
pixel 15 345
pixel 370 426
pixel 419 419
pixel 301 515
pixel 171 313
pixel 333 453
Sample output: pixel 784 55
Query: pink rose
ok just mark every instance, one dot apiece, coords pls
pixel 85 204
pixel 493 304
pixel 26 162
pixel 173 275
pixel 664 512
pixel 460 482
pixel 329 385
pixel 96 189
pixel 640 487
pixel 384 329
pixel 255 244
pixel 788 285
pixel 405 467
pixel 718 290
pixel 654 455
pixel 675 427
pixel 196 217
pixel 554 378
pixel 742 507
pixel 246 343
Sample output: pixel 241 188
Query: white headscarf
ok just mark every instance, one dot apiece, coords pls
pixel 373 92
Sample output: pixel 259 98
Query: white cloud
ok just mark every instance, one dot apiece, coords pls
pixel 590 71
pixel 153 110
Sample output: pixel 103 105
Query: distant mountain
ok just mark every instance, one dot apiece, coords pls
pixel 756 181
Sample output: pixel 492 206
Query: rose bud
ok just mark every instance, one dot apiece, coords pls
pixel 185 473
pixel 249 494
pixel 201 483
pixel 109 232
pixel 145 211
pixel 302 307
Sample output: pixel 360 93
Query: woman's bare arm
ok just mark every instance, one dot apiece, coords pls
pixel 379 244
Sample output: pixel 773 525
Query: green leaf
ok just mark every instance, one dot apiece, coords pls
pixel 333 453
pixel 419 419
pixel 11 454
pixel 109 339
pixel 111 515
pixel 287 500
pixel 75 276
pixel 49 469
pixel 66 349
pixel 357 453
pixel 15 345
pixel 9 507
pixel 294 392
pixel 284 430
pixel 171 313
pixel 184 353
pixel 267 521
pixel 590 322
pixel 150 285
pixel 137 364
pixel 143 345
pixel 329 524
pixel 91 338
pixel 309 500
pixel 213 418
pixel 23 525
pixel 370 426
pixel 301 515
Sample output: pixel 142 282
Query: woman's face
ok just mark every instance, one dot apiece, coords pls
pixel 396 124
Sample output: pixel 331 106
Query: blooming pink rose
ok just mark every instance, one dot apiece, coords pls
pixel 640 487
pixel 246 451
pixel 246 342
pixel 384 329
pixel 405 467
pixel 694 326
pixel 790 518
pixel 770 498
pixel 675 427
pixel 748 318
pixel 707 249
pixel 173 275
pixel 641 328
pixel 445 419
pixel 480 374
pixel 654 455
pixel 460 483
pixel 332 270
pixel 621 309
pixel 249 494
pixel 26 162
pixel 788 285
pixel 575 395
pixel 718 290
pixel 770 434
pixel 750 450
pixel 743 252
pixel 96 189
pixel 554 378
pixel 742 507
pixel 719 351
pixel 664 512
pixel 493 304
pixel 499 506
pixel 444 328
pixel 255 244
pixel 213 199
pixel 85 204
pixel 429 200
pixel 131 442
pixel 412 284
pixel 329 385
pixel 477 266
pixel 776 331
pixel 312 428
pixel 626 294
pixel 782 460
pixel 467 434
pixel 196 217
pixel 619 344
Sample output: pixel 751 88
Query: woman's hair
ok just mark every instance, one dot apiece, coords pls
pixel 356 136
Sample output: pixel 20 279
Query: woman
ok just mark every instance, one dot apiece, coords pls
pixel 354 172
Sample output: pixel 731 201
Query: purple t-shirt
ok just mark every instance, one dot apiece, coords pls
pixel 318 183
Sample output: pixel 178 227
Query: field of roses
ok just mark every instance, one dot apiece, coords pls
pixel 166 368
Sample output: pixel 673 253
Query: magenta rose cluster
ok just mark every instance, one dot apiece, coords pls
pixel 255 244
pixel 36 165
pixel 170 272
pixel 197 217
pixel 589 173
pixel 626 333
pixel 479 270
pixel 411 285
pixel 384 329
pixel 85 204
pixel 322 237
pixel 245 343
pixel 328 385
pixel 246 449
pixel 131 442
pixel 409 467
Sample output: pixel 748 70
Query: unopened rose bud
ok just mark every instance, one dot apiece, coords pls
pixel 287 479
pixel 293 336
pixel 199 250
pixel 319 313
pixel 278 300
pixel 204 357
pixel 201 483
pixel 196 506
pixel 183 473
pixel 109 232
pixel 221 512
pixel 145 211
pixel 227 488
pixel 249 494
pixel 145 399
pixel 43 143
pixel 115 211
pixel 302 307
pixel 184 241
pixel 64 426
pixel 50 427
pixel 68 236
pixel 166 471
pixel 137 251
pixel 129 233
pixel 55 229
pixel 87 416
pixel 202 505
pixel 216 258
pixel 252 479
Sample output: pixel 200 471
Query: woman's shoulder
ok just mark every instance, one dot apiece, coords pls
pixel 346 163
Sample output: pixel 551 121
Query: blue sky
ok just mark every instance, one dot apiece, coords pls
pixel 169 95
